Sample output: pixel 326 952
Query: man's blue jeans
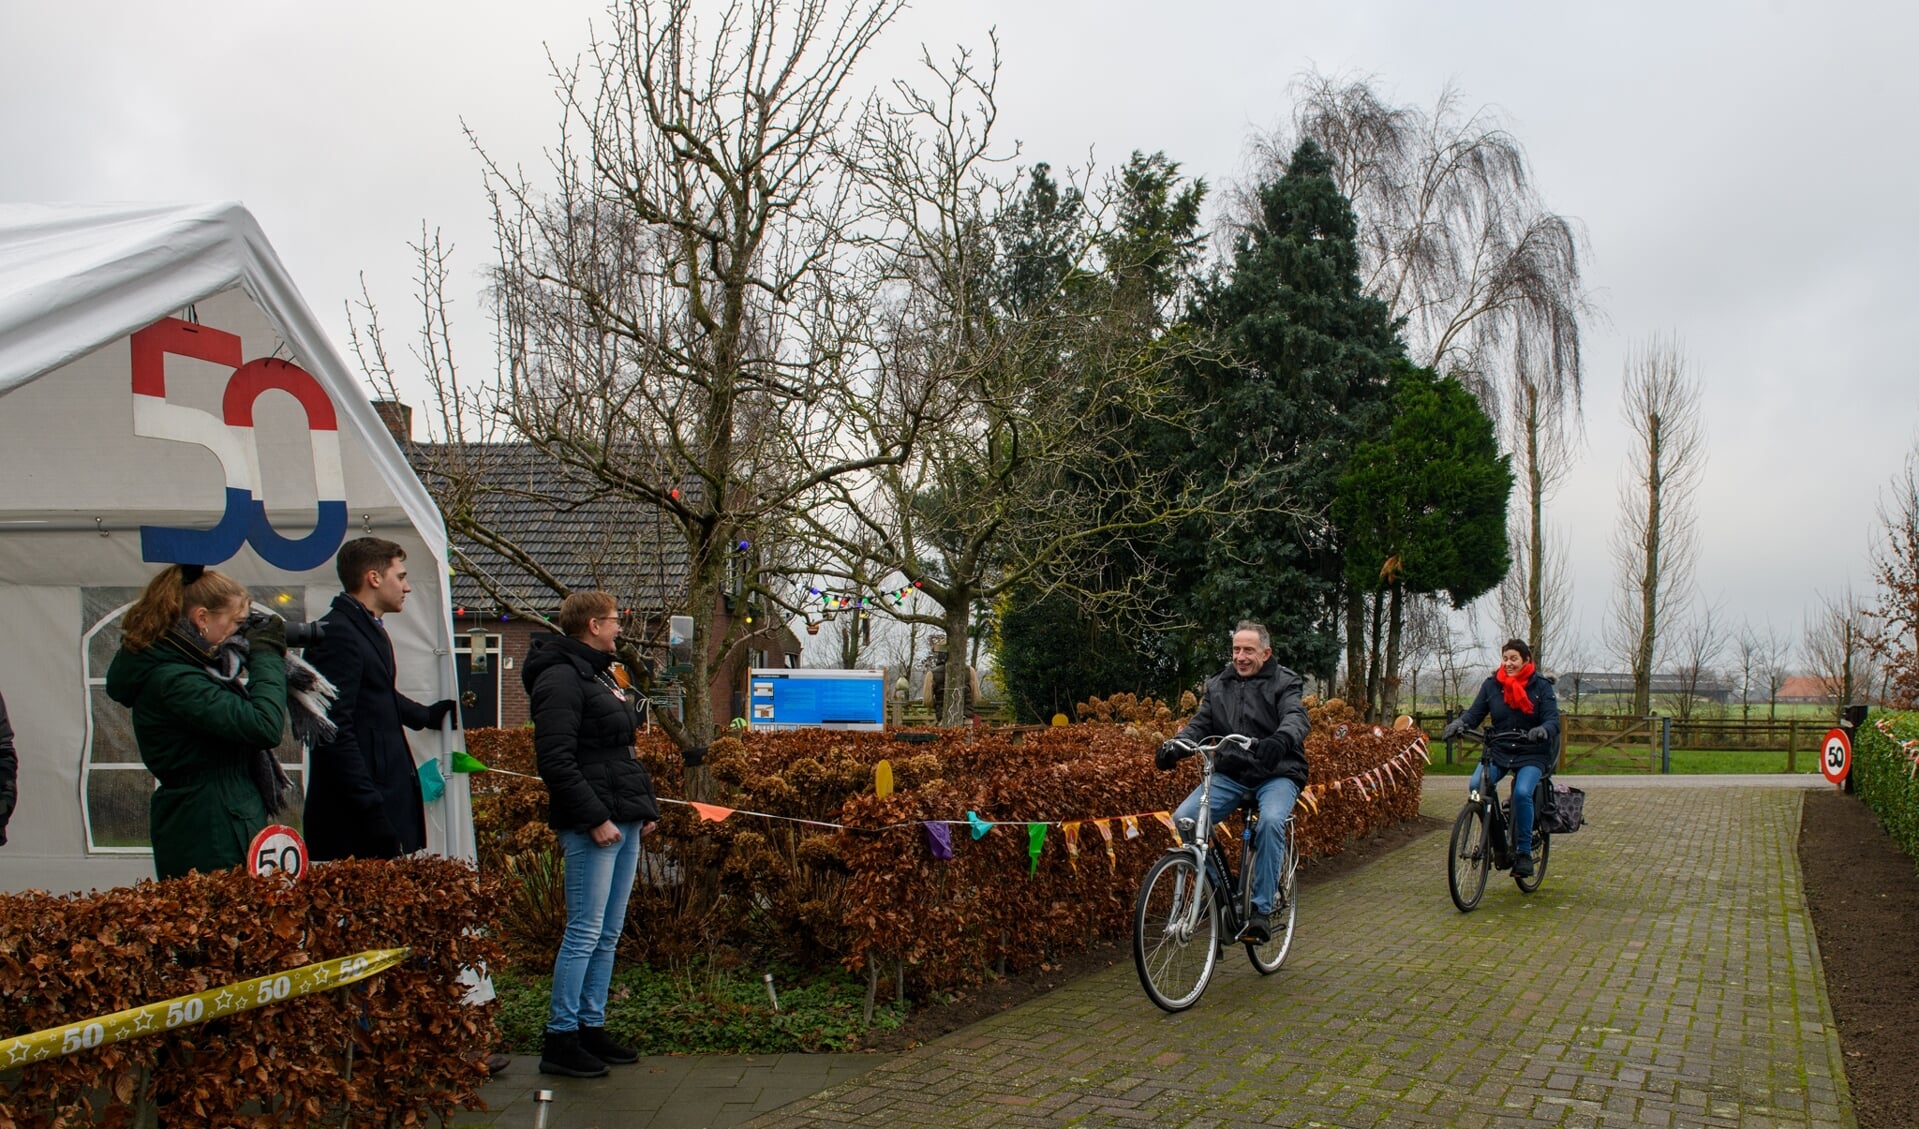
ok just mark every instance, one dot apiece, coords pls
pixel 1275 798
pixel 1525 780
pixel 598 882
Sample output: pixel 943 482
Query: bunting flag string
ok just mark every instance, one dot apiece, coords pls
pixel 1375 779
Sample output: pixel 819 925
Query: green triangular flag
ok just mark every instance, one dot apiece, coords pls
pixel 1035 840
pixel 464 761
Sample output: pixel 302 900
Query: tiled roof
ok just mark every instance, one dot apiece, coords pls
pixel 560 517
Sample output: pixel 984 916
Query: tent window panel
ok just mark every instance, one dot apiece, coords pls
pixel 117 802
pixel 112 730
pixel 96 605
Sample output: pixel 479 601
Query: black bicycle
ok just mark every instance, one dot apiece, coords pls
pixel 1483 833
pixel 1191 904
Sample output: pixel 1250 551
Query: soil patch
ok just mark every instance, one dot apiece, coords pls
pixel 930 1021
pixel 1863 892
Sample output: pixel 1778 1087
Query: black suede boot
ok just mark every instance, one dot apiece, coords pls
pixel 596 1042
pixel 562 1054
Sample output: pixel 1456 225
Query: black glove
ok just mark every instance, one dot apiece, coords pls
pixel 1453 729
pixel 1167 755
pixel 437 713
pixel 268 634
pixel 695 756
pixel 381 843
pixel 1537 734
pixel 1274 749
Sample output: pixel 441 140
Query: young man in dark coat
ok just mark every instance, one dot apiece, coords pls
pixel 364 798
pixel 1258 698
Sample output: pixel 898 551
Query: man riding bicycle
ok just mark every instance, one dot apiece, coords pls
pixel 1258 698
pixel 1523 741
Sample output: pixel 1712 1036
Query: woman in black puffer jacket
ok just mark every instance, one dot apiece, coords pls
pixel 600 801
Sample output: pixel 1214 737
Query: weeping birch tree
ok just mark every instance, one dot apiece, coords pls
pixel 1485 279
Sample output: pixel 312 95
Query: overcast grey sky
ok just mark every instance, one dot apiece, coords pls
pixel 1745 174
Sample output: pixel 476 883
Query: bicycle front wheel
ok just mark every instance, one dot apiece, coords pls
pixel 1468 859
pixel 1269 956
pixel 1175 932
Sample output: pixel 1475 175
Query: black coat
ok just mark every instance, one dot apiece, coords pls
pixel 1507 744
pixel 364 798
pixel 9 770
pixel 583 728
pixel 1266 707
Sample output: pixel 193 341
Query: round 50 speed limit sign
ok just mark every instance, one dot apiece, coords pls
pixel 278 847
pixel 1835 756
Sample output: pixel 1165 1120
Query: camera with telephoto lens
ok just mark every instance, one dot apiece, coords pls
pixel 305 634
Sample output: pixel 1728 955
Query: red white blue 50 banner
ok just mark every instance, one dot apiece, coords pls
pixel 230 436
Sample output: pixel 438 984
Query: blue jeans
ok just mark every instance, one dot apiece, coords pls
pixel 1525 779
pixel 598 881
pixel 1275 798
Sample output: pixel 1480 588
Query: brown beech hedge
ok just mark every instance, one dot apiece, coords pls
pixel 874 892
pixel 391 1050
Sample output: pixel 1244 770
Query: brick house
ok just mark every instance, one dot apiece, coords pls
pixel 551 522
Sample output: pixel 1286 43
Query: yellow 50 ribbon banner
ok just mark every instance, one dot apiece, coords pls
pixel 273 988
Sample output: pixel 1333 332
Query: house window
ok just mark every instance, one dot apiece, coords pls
pixel 479 690
pixel 116 787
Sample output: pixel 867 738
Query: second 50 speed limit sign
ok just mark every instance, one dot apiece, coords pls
pixel 1835 756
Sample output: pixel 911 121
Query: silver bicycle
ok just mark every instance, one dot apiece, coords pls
pixel 1191 904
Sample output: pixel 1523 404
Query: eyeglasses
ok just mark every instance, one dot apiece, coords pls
pixel 604 618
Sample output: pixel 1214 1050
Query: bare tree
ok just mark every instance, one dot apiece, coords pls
pixel 1455 238
pixel 1517 608
pixel 1749 666
pixel 1836 640
pixel 1697 649
pixel 1654 543
pixel 1775 666
pixel 676 298
pixel 1895 567
pixel 1017 368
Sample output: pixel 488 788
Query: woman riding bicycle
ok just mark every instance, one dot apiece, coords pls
pixel 1523 740
pixel 1257 698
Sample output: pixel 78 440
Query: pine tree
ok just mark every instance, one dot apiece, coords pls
pixel 1302 377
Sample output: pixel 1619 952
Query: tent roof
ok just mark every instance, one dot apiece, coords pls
pixel 75 277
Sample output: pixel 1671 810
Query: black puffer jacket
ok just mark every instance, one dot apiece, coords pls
pixel 1266 707
pixel 583 737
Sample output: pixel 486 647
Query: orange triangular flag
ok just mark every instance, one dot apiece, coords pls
pixel 1105 827
pixel 1131 823
pixel 1072 844
pixel 712 812
pixel 1166 817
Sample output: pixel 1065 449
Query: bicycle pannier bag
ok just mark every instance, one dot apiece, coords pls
pixel 1566 809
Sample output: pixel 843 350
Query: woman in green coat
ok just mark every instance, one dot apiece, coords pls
pixel 203 733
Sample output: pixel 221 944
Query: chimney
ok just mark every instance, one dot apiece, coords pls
pixel 398 418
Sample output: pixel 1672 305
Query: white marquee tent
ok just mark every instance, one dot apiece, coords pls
pixel 166 395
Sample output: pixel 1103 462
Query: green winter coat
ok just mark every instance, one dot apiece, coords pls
pixel 197 735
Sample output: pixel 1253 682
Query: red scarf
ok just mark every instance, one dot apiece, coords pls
pixel 1513 686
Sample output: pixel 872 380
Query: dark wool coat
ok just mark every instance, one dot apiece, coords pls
pixel 583 737
pixel 198 735
pixel 1267 707
pixel 364 798
pixel 1507 744
pixel 9 771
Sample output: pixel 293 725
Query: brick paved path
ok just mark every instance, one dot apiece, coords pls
pixel 1677 984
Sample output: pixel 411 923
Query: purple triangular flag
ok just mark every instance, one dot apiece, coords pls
pixel 939 840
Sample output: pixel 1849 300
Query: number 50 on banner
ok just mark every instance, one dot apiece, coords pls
pixel 182 1011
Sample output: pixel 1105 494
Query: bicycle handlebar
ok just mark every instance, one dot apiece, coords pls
pixel 1212 745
